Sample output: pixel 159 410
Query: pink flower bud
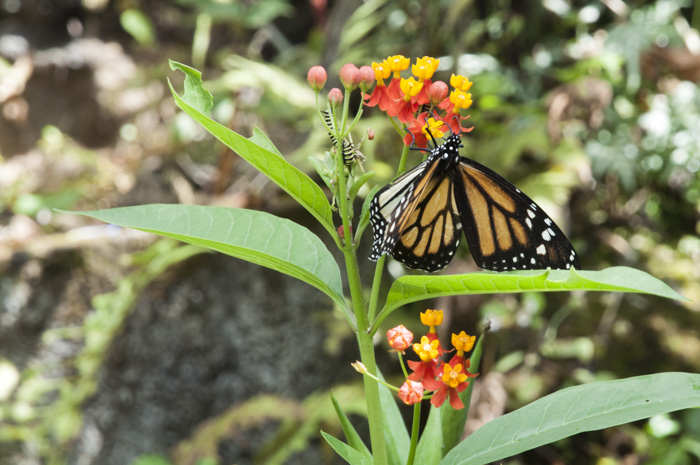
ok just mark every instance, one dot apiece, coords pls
pixel 400 338
pixel 438 92
pixel 411 392
pixel 335 96
pixel 317 77
pixel 366 78
pixel 350 76
pixel 370 134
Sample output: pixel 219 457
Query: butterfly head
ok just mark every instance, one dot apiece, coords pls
pixel 449 151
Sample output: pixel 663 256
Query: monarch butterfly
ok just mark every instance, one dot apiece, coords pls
pixel 418 218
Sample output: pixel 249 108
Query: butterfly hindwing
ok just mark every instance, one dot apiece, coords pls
pixel 505 229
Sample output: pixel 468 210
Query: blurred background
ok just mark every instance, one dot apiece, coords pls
pixel 117 347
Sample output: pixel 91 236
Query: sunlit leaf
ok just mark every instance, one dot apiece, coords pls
pixel 292 180
pixel 255 236
pixel 195 95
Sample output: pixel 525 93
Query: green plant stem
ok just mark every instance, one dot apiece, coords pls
pixel 402 162
pixel 414 433
pixel 374 411
pixel 376 283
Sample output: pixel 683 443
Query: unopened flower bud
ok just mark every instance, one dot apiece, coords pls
pixel 359 367
pixel 366 78
pixel 411 392
pixel 335 96
pixel 370 134
pixel 400 338
pixel 438 92
pixel 350 76
pixel 317 77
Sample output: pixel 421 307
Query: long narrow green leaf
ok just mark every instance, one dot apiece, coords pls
pixel 350 455
pixel 351 434
pixel 413 288
pixel 397 438
pixel 292 180
pixel 574 410
pixel 255 236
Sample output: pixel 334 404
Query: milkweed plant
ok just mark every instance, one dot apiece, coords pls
pixel 421 110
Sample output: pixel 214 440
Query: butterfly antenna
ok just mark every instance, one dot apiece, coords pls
pixel 413 144
pixel 431 137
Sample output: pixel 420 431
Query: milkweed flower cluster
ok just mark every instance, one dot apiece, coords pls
pixel 430 373
pixel 421 105
pixel 413 100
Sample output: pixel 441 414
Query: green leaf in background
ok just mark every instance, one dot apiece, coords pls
pixel 138 25
pixel 255 236
pixel 31 204
pixel 397 439
pixel 195 95
pixel 292 180
pixel 350 455
pixel 430 446
pixel 574 410
pixel 413 288
pixel 453 421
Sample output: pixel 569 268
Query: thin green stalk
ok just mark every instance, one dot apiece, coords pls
pixel 414 433
pixel 379 269
pixel 374 415
pixel 403 366
pixel 359 111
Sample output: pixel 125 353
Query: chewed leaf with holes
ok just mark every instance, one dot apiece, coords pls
pixel 574 410
pixel 258 151
pixel 254 236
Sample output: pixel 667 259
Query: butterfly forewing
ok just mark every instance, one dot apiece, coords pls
pixel 505 229
pixel 392 205
pixel 431 235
